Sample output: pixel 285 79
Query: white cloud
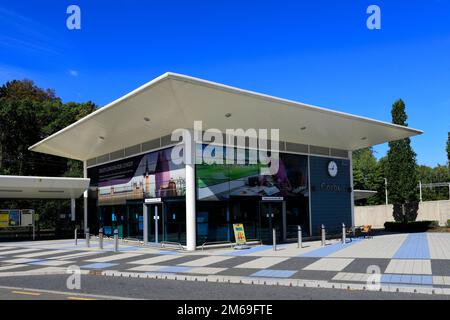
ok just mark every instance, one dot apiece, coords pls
pixel 73 73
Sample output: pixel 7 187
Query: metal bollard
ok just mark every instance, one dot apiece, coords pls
pixel 274 239
pixel 76 236
pixel 100 238
pixel 116 240
pixel 323 235
pixel 299 244
pixel 88 238
pixel 343 234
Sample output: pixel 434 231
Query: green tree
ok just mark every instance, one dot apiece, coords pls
pixel 368 175
pixel 29 114
pixel 434 175
pixel 401 164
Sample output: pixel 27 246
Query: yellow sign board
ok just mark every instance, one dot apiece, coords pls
pixel 239 234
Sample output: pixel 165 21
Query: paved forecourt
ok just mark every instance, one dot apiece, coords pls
pixel 419 260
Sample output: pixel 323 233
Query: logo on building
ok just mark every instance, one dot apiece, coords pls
pixel 232 147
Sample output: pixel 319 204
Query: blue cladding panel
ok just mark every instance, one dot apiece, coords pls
pixel 330 197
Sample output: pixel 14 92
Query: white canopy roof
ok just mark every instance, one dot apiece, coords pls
pixel 174 101
pixel 21 187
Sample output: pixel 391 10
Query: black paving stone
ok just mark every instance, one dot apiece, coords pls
pixel 294 263
pixel 440 267
pixel 230 263
pixel 360 265
pixel 314 275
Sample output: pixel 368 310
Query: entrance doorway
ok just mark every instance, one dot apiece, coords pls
pixel 155 222
pixel 272 215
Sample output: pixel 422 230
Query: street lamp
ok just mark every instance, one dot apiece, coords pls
pixel 386 190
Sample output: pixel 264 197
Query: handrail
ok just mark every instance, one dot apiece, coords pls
pixel 171 243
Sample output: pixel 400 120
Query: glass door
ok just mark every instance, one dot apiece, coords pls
pixel 271 216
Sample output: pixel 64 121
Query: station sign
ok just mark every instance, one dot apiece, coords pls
pixel 272 198
pixel 153 200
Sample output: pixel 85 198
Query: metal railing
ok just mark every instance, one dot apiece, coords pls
pixel 212 243
pixel 165 243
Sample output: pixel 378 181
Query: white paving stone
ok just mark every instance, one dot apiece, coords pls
pixel 14 266
pixel 41 254
pixel 76 255
pixel 19 251
pixel 383 247
pixel 202 262
pixel 329 264
pixel 54 263
pixel 20 260
pixel 119 256
pixel 439 245
pixel 147 268
pixel 409 266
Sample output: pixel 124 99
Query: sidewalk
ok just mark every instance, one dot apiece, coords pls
pixel 410 262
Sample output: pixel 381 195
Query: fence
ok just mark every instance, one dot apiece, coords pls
pixel 376 216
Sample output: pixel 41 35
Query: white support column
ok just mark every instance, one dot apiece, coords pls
pixel 190 208
pixel 309 197
pixel 72 209
pixel 350 156
pixel 191 221
pixel 85 198
pixel 145 222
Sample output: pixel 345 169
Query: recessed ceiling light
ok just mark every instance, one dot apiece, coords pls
pixel 147 119
pixel 227 115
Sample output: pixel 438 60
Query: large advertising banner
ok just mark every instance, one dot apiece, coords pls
pixel 221 181
pixel 145 176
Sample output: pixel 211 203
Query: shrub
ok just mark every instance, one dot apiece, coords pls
pixel 448 223
pixel 415 226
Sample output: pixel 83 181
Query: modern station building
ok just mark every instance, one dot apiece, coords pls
pixel 139 186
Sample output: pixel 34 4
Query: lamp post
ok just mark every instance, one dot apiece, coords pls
pixel 386 191
pixel 420 190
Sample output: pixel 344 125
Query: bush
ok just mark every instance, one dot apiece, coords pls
pixel 415 226
pixel 448 223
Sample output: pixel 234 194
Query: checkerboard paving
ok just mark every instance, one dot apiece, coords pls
pixel 413 260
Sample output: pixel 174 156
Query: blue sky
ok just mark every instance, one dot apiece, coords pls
pixel 318 52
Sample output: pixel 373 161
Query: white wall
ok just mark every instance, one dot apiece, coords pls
pixel 376 216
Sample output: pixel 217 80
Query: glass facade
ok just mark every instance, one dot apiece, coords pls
pixel 239 193
pixel 226 195
pixel 121 187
